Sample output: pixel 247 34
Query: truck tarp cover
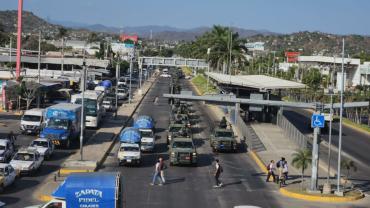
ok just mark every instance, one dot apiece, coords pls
pixel 144 122
pixel 106 84
pixel 89 190
pixel 62 111
pixel 130 135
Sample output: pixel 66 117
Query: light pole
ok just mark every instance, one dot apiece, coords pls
pixel 208 53
pixel 117 79
pixel 83 84
pixel 339 192
pixel 38 70
pixel 10 52
pixel 19 40
pixel 129 95
pixel 62 67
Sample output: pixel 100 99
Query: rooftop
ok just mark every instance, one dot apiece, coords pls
pixel 261 82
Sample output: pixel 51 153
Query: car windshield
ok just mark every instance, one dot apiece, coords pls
pixel 24 156
pixel 31 118
pixel 2 147
pixel 57 123
pixel 182 145
pixel 90 106
pixel 39 143
pixel 2 171
pixel 146 134
pixel 147 143
pixel 175 128
pixel 224 134
pixel 131 149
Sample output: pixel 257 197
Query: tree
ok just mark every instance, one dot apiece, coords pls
pixel 29 90
pixel 62 32
pixel 93 37
pixel 301 160
pixel 312 78
pixel 348 165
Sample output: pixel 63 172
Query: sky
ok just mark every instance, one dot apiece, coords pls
pixel 282 16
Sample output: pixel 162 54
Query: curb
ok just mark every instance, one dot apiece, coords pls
pixel 329 199
pixel 66 171
pixel 258 161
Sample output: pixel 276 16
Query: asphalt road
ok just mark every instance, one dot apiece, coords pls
pixel 355 145
pixel 193 186
pixel 19 194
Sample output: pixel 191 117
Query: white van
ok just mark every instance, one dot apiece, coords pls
pixel 31 121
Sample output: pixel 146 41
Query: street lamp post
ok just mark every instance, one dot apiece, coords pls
pixel 83 84
pixel 117 79
pixel 208 53
pixel 38 70
pixel 339 192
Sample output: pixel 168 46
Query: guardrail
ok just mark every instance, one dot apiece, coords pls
pixel 251 138
pixel 292 132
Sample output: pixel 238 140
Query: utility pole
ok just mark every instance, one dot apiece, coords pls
pixel 315 152
pixel 83 84
pixel 19 40
pixel 62 69
pixel 117 79
pixel 38 70
pixel 209 66
pixel 129 95
pixel 10 52
pixel 274 63
pixel 339 192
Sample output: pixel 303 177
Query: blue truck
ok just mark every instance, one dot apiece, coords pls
pixel 145 124
pixel 82 190
pixel 62 124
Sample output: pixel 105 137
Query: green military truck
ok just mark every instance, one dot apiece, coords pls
pixel 178 130
pixel 183 152
pixel 223 139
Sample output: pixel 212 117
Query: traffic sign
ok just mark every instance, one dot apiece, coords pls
pixel 317 120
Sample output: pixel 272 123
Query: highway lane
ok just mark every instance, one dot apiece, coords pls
pixel 190 186
pixel 20 193
pixel 355 144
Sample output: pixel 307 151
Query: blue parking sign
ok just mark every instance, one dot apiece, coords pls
pixel 317 120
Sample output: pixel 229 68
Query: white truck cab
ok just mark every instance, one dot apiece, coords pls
pixel 7 175
pixel 31 121
pixel 129 153
pixel 147 140
pixel 27 160
pixel 44 146
pixel 6 150
pixel 54 203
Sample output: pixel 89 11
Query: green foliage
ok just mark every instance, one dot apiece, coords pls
pixel 62 32
pixel 348 166
pixel 166 52
pixel 218 40
pixel 200 82
pixel 301 159
pixel 312 78
pixel 93 37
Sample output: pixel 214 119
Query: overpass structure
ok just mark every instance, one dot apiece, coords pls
pixel 58 61
pixel 171 61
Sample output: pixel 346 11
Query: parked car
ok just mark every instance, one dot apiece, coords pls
pixel 7 175
pixel 6 150
pixel 44 146
pixel 27 161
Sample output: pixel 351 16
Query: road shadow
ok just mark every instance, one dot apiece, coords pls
pixel 8 200
pixel 197 130
pixel 159 130
pixel 161 148
pixel 198 142
pixel 19 185
pixel 175 180
pixel 232 183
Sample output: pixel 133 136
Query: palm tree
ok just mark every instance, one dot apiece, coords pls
pixel 301 160
pixel 348 165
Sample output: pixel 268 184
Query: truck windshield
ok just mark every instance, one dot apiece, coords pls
pixel 2 147
pixel 182 145
pixel 24 157
pixel 224 134
pixel 31 118
pixel 2 172
pixel 130 149
pixel 146 134
pixel 39 144
pixel 90 106
pixel 175 129
pixel 57 123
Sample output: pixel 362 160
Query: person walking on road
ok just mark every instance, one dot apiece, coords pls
pixel 217 174
pixel 282 165
pixel 157 172
pixel 270 171
pixel 162 166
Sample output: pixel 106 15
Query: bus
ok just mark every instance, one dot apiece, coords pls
pixel 94 110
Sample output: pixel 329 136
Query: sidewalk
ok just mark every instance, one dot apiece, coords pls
pixel 96 148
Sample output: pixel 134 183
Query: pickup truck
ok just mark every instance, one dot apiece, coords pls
pixel 44 146
pixel 6 150
pixel 31 121
pixel 27 161
pixel 129 153
pixel 7 175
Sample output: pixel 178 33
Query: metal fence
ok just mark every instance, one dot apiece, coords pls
pixel 251 138
pixel 292 132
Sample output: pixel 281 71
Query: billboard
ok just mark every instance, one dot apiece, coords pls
pixel 255 46
pixel 292 57
pixel 124 37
